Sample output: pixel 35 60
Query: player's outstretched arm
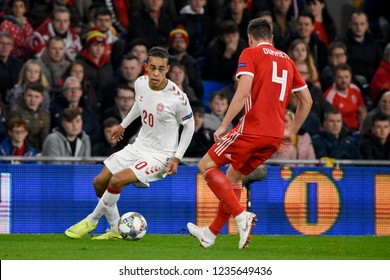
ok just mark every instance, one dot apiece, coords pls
pixel 238 102
pixel 185 139
pixel 131 115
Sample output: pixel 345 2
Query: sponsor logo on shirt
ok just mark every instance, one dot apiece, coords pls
pixel 189 116
pixel 242 64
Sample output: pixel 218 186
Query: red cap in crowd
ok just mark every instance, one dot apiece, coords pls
pixel 178 33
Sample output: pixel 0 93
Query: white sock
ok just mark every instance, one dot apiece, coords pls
pixel 112 216
pixel 107 201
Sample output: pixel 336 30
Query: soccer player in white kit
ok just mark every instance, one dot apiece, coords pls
pixel 156 152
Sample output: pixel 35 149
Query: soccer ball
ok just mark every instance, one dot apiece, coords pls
pixel 132 226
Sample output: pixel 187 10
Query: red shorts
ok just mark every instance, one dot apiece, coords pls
pixel 244 152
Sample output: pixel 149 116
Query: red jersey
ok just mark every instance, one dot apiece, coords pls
pixel 275 77
pixel 346 103
pixel 320 31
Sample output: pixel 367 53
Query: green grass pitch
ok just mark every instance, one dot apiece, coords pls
pixel 185 247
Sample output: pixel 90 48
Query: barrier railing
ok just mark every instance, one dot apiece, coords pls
pixel 194 161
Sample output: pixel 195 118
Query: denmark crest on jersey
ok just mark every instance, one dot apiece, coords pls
pixel 160 107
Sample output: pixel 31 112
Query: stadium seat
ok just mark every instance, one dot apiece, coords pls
pixel 208 88
pixel 200 62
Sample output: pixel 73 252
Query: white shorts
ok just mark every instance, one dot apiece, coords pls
pixel 146 167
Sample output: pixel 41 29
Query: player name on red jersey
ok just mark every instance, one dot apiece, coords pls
pixel 275 53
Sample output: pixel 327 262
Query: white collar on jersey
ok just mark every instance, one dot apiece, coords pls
pixel 263 43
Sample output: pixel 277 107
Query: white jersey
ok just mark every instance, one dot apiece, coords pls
pixel 161 113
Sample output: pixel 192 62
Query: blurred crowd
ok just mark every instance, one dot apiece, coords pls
pixel 67 70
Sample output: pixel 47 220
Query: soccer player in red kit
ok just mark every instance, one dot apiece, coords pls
pixel 267 77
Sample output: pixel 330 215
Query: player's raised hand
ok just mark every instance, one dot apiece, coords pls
pixel 172 166
pixel 117 133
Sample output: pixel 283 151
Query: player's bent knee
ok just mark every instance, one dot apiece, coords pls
pixel 206 163
pixel 117 183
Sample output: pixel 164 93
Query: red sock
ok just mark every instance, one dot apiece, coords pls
pixel 223 215
pixel 222 188
pixel 112 190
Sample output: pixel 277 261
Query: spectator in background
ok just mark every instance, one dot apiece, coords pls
pixel 334 141
pixel 130 70
pixel 71 97
pixel 39 11
pixel 258 6
pixel 300 148
pixel 42 9
pixel 320 104
pixel 139 48
pixel 177 74
pixel 124 101
pixel 58 25
pixel 29 108
pixel 230 89
pixel 203 137
pixel 16 24
pixel 97 66
pixel 337 54
pixel 305 32
pixel 381 78
pixel 115 46
pixel 68 139
pixel 383 106
pixel 107 146
pixel 363 50
pixel 198 24
pixel 300 53
pixel 15 144
pixel 91 14
pixel 324 25
pixel 237 11
pixel 31 72
pixel 10 65
pixel 3 121
pixel 82 7
pixel 347 98
pixel 121 11
pixel 284 25
pixel 224 51
pixel 151 23
pixel 376 143
pixel 267 16
pixel 76 69
pixel 218 106
pixel 178 45
pixel 75 20
pixel 312 124
pixel 53 61
pixel 213 8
